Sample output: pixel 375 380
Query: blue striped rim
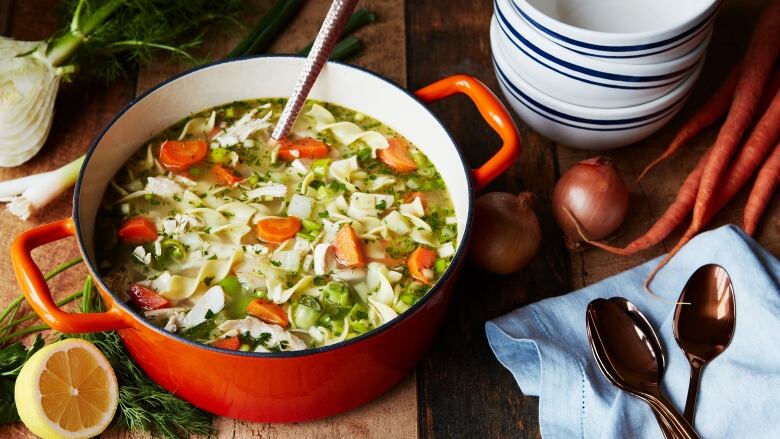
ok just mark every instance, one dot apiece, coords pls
pixel 633 48
pixel 643 55
pixel 585 70
pixel 526 100
pixel 569 75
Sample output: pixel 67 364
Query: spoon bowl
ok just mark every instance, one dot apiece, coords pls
pixel 641 321
pixel 704 323
pixel 629 357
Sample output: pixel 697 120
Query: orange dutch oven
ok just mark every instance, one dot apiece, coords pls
pixel 270 387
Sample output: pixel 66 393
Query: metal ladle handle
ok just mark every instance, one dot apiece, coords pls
pixel 327 37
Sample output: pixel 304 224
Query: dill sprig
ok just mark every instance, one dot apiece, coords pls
pixel 106 38
pixel 144 406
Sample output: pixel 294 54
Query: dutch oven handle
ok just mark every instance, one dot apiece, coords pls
pixel 494 113
pixel 37 292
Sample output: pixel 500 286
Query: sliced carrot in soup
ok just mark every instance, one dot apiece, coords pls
pixel 225 175
pixel 397 156
pixel 268 312
pixel 420 262
pixel 137 230
pixel 277 230
pixel 146 299
pixel 347 248
pixel 230 343
pixel 178 155
pixel 305 148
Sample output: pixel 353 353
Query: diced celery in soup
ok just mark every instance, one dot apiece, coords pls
pixel 220 238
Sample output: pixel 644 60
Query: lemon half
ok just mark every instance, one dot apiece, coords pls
pixel 67 390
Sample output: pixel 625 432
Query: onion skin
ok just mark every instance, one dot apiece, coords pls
pixel 506 233
pixel 595 194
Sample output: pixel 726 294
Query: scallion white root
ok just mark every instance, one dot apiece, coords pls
pixel 12 188
pixel 44 189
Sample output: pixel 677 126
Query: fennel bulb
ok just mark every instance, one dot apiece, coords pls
pixel 104 38
pixel 28 89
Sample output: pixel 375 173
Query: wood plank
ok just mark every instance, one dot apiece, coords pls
pixel 6 10
pixel 463 391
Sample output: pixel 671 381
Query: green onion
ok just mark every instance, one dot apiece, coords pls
pixel 358 319
pixel 174 248
pixel 346 48
pixel 360 18
pixel 264 32
pixel 448 232
pixel 440 266
pixel 230 285
pixel 408 298
pixel 320 167
pixel 310 225
pixel 401 246
pixel 307 312
pixel 40 193
pixel 426 172
pixel 305 236
pixel 219 155
pixel 335 296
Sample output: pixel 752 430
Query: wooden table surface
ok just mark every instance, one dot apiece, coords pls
pixel 459 389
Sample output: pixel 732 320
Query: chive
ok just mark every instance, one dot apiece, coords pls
pixel 269 26
pixel 357 20
pixel 346 48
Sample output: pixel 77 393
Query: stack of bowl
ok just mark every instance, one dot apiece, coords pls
pixel 598 74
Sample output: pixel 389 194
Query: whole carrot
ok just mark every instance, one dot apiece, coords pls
pixel 759 60
pixel 771 90
pixel 712 110
pixel 762 52
pixel 763 189
pixel 764 135
pixel 672 217
pixel 757 146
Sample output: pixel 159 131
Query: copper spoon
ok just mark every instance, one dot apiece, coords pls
pixel 627 358
pixel 704 323
pixel 647 328
pixel 329 33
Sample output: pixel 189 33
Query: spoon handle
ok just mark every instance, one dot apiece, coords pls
pixel 666 428
pixel 329 33
pixel 693 390
pixel 676 420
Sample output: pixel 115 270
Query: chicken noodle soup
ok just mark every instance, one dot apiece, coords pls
pixel 223 239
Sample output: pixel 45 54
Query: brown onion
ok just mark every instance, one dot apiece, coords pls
pixel 595 194
pixel 506 232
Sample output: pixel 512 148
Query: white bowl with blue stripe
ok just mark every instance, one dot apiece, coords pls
pixel 587 127
pixel 633 31
pixel 581 79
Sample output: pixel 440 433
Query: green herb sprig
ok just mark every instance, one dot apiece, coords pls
pixel 106 37
pixel 144 406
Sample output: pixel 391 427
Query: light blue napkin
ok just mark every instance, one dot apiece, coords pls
pixel 545 346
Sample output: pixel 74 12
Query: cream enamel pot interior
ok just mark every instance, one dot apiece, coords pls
pixel 270 387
